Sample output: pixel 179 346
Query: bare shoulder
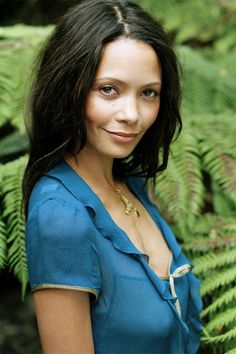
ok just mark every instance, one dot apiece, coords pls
pixel 64 321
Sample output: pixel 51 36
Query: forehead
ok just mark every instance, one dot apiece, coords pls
pixel 129 59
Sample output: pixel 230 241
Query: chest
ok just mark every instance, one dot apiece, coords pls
pixel 147 237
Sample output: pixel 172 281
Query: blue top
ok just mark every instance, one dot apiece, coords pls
pixel 72 242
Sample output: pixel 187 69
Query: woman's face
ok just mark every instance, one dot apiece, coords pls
pixel 124 99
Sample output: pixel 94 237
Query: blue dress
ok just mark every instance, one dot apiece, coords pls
pixel 72 242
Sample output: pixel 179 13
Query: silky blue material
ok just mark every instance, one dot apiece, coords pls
pixel 72 240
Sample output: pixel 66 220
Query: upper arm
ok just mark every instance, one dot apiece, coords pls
pixel 64 271
pixel 60 252
pixel 64 321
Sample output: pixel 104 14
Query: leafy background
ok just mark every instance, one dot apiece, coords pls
pixel 197 193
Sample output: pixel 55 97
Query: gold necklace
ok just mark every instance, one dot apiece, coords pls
pixel 129 207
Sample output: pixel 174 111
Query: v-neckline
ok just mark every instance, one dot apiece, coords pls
pixel 124 233
pixel 107 227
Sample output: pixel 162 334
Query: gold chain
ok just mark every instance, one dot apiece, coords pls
pixel 129 207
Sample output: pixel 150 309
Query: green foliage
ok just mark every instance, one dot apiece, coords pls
pixel 13 143
pixel 14 224
pixel 3 235
pixel 180 189
pixel 15 62
pixel 208 86
pixel 25 34
pixel 3 245
pixel 206 22
pixel 197 193
pixel 18 48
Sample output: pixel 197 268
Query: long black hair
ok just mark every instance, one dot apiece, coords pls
pixel 67 66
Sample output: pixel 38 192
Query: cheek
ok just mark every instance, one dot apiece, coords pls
pixel 90 112
pixel 95 112
pixel 91 108
pixel 151 116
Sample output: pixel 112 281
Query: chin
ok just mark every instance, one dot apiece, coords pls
pixel 119 156
pixel 120 153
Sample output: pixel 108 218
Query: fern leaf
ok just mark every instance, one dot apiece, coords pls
pixel 226 337
pixel 16 59
pixel 231 351
pixel 202 245
pixel 223 205
pixel 222 319
pixel 3 245
pixel 203 83
pixel 12 213
pixel 5 90
pixel 212 261
pixel 219 162
pixel 25 34
pixel 216 281
pixel 223 300
pixel 21 64
pixel 180 189
pixel 13 143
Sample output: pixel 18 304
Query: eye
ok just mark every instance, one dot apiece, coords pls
pixel 108 90
pixel 149 93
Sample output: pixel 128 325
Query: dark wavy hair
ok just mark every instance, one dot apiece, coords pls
pixel 66 69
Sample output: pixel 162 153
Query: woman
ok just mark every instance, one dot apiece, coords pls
pixel 106 271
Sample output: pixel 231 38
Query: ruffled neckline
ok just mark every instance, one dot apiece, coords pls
pixel 103 221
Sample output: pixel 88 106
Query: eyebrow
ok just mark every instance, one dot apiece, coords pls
pixel 109 78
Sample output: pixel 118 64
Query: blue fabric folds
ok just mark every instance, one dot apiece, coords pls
pixel 72 242
pixel 57 255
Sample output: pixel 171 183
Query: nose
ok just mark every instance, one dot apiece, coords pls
pixel 128 110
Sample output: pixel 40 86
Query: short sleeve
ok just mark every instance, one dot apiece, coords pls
pixel 60 251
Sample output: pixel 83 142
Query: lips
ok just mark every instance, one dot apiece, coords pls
pixel 122 136
pixel 125 135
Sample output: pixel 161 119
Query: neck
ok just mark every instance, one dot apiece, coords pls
pixel 98 171
pixel 94 166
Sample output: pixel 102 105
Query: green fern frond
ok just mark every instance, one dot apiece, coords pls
pixel 217 280
pixel 3 231
pixel 25 34
pixel 222 300
pixel 204 244
pixel 21 64
pixel 231 351
pixel 15 80
pixel 13 143
pixel 226 43
pixel 219 156
pixel 3 245
pixel 212 225
pixel 222 168
pixel 169 190
pixel 190 20
pixel 6 85
pixel 12 214
pixel 18 47
pixel 223 204
pixel 226 62
pixel 204 83
pixel 226 337
pixel 180 189
pixel 222 320
pixel 213 261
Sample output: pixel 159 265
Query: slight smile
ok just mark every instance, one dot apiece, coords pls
pixel 121 136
